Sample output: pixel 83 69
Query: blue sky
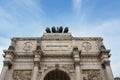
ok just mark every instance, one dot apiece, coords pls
pixel 29 18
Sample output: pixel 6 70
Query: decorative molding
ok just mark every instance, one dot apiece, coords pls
pixel 104 52
pixel 24 56
pixel 57 56
pixel 73 38
pixel 89 56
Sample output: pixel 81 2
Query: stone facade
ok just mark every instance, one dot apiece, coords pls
pixel 56 56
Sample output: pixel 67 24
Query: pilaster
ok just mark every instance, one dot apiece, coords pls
pixel 37 57
pixel 8 60
pixel 76 56
pixel 104 57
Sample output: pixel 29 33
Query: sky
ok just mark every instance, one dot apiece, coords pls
pixel 85 18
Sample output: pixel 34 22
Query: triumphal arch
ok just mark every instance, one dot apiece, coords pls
pixel 56 55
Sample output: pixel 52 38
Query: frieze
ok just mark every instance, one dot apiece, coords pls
pixel 24 56
pixel 22 75
pixel 58 56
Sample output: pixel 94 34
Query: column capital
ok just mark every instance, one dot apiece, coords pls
pixel 77 63
pixel 76 51
pixel 7 63
pixel 38 51
pixel 36 63
pixel 107 62
pixel 9 52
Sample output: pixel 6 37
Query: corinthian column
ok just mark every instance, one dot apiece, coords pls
pixel 35 71
pixel 37 56
pixel 108 70
pixel 4 70
pixel 78 71
pixel 8 60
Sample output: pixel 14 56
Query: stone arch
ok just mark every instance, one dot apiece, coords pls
pixel 66 72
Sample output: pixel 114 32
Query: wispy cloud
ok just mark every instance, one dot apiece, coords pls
pixel 18 18
pixel 77 4
pixel 20 15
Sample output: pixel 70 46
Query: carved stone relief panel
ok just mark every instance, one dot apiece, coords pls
pixel 91 75
pixel 22 75
pixel 25 46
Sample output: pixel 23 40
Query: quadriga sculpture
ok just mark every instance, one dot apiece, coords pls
pixel 57 30
pixel 48 30
pixel 66 30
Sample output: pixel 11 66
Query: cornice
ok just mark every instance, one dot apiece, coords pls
pixel 104 52
pixel 70 56
pixel 25 38
pixel 88 56
pixel 88 38
pixel 58 36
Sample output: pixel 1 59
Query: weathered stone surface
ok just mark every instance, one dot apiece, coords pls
pixel 33 58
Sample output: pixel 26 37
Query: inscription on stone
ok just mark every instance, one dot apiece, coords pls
pixel 56 45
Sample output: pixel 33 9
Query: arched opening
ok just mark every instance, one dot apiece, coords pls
pixel 57 75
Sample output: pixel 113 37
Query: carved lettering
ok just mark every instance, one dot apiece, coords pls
pixel 56 45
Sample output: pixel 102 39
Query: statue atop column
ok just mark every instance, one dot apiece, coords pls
pixel 57 30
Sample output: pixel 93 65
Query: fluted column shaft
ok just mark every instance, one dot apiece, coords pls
pixel 78 71
pixel 76 57
pixel 108 71
pixel 35 71
pixel 4 71
pixel 37 56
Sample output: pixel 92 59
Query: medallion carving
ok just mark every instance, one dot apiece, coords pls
pixel 27 46
pixel 86 46
pixel 22 75
pixel 91 75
